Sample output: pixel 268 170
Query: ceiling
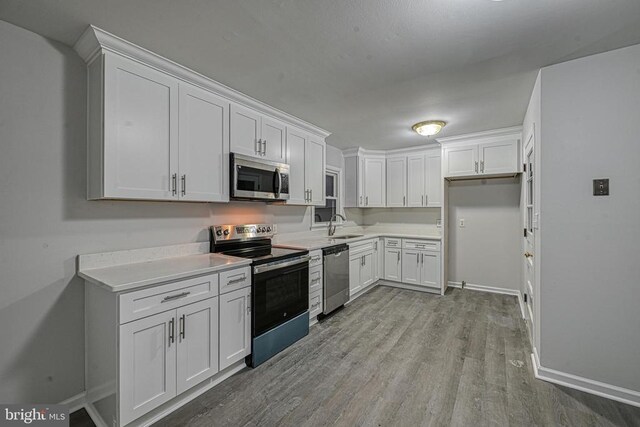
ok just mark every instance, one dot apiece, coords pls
pixel 364 70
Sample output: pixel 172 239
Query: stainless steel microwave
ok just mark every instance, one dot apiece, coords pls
pixel 257 179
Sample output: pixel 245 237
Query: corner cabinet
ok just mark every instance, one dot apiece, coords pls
pixel 365 180
pixel 159 131
pixel 489 154
pixel 306 156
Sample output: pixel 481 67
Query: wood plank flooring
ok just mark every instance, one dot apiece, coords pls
pixel 398 357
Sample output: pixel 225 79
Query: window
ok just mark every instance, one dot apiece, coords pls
pixel 322 215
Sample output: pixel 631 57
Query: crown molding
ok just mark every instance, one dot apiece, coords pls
pixel 95 41
pixel 495 133
pixel 359 151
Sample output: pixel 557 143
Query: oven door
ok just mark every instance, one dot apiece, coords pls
pixel 258 179
pixel 280 292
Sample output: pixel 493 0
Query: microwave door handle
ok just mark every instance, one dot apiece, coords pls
pixel 278 182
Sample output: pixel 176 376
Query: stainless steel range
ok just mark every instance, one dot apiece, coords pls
pixel 279 286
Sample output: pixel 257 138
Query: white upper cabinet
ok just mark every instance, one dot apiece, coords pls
pixel 416 180
pixel 140 131
pixel 159 131
pixel 433 184
pixel 491 154
pixel 374 182
pixel 306 158
pixel 397 182
pixel 204 132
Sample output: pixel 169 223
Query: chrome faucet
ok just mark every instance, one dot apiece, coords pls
pixel 332 228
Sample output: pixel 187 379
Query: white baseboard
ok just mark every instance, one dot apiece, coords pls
pixel 94 415
pixel 75 402
pixel 620 394
pixel 494 290
pixel 435 291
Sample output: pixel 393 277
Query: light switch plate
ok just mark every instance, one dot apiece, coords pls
pixel 601 187
pixel 461 222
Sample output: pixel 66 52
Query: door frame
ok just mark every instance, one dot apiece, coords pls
pixel 530 235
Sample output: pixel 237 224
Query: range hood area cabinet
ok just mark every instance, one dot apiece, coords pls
pixel 306 156
pixel 160 131
pixel 398 178
pixel 482 155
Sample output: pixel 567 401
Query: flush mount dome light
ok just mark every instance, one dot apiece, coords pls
pixel 429 127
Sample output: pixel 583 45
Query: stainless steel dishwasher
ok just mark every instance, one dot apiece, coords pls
pixel 336 277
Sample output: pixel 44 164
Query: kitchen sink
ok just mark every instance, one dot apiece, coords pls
pixel 346 236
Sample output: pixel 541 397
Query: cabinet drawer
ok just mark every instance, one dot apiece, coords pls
pixel 235 279
pixel 423 245
pixel 316 258
pixel 315 279
pixel 315 304
pixel 145 302
pixel 360 248
pixel 392 242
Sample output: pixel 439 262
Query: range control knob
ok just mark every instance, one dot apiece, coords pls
pixel 269 229
pixel 218 232
pixel 226 232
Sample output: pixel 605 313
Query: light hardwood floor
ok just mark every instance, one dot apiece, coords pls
pixel 398 357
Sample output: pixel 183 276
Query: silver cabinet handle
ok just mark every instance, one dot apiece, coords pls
pixel 482 166
pixel 422 200
pixel 315 258
pixel 183 322
pixel 248 308
pixel 172 330
pixel 315 280
pixel 238 280
pixel 264 147
pixel 174 179
pixel 398 256
pixel 183 180
pixel 476 167
pixel 176 296
pixel 366 201
pixel 258 147
pixel 404 200
pixel 426 200
pixel 360 200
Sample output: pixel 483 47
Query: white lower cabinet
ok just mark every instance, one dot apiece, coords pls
pixel 412 262
pixel 235 326
pixel 410 267
pixel 430 269
pixel 392 264
pixel 363 270
pixel 316 284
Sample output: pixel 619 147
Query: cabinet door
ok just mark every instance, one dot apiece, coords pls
pixel 410 267
pixel 397 182
pixel 140 131
pixel 430 269
pixel 296 145
pixel 367 273
pixel 499 157
pixel 314 166
pixel 360 182
pixel 392 264
pixel 273 136
pixel 245 131
pixel 147 363
pixel 375 260
pixel 416 181
pixel 235 326
pixel 197 336
pixel 204 146
pixel 355 282
pixel 374 182
pixel 461 161
pixel 433 184
pixel 380 264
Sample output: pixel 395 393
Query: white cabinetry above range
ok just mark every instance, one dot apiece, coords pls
pixel 159 131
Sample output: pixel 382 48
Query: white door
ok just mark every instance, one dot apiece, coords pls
pixel 204 145
pixel 499 157
pixel 410 267
pixel 147 363
pixel 461 161
pixel 397 182
pixel 430 269
pixel 374 182
pixel 235 326
pixel 367 273
pixel 416 181
pixel 140 131
pixel 296 145
pixel 273 136
pixel 355 282
pixel 392 264
pixel 197 335
pixel 245 131
pixel 531 226
pixel 433 185
pixel 314 165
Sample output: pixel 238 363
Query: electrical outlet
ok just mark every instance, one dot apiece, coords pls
pixel 601 187
pixel 438 223
pixel 461 222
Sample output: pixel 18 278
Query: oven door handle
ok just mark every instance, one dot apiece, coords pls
pixel 277 265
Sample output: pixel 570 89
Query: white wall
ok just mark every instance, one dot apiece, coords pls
pixel 46 221
pixel 487 251
pixel 590 321
pixel 406 216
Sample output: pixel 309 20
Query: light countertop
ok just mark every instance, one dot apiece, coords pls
pixel 320 242
pixel 127 277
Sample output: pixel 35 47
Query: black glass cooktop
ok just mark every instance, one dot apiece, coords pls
pixel 262 254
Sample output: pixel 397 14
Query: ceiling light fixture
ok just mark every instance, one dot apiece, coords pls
pixel 429 127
